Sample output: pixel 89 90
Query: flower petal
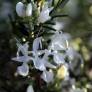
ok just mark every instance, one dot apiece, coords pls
pixel 37 44
pixel 22 59
pixel 23 70
pixel 20 9
pixel 39 64
pixel 30 88
pixel 29 10
pixel 44 15
pixel 71 53
pixel 47 76
pixel 59 58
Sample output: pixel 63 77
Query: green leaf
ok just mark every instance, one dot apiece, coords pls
pixel 49 23
pixel 60 4
pixel 61 15
pixel 63 3
pixel 48 27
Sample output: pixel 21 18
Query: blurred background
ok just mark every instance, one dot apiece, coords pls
pixel 78 28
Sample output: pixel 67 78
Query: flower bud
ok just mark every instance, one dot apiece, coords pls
pixel 62 72
pixel 20 9
pixel 44 14
pixel 29 10
pixel 23 11
pixel 30 88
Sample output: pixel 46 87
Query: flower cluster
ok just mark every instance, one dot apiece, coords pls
pixel 45 55
pixel 26 10
pixel 40 57
pixel 41 63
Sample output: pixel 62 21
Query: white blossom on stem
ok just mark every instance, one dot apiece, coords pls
pixel 58 42
pixel 23 11
pixel 44 14
pixel 24 68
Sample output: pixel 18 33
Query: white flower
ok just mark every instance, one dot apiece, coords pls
pixel 30 88
pixel 42 63
pixel 58 42
pixel 24 50
pixel 47 76
pixel 23 69
pixel 44 14
pixel 23 11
